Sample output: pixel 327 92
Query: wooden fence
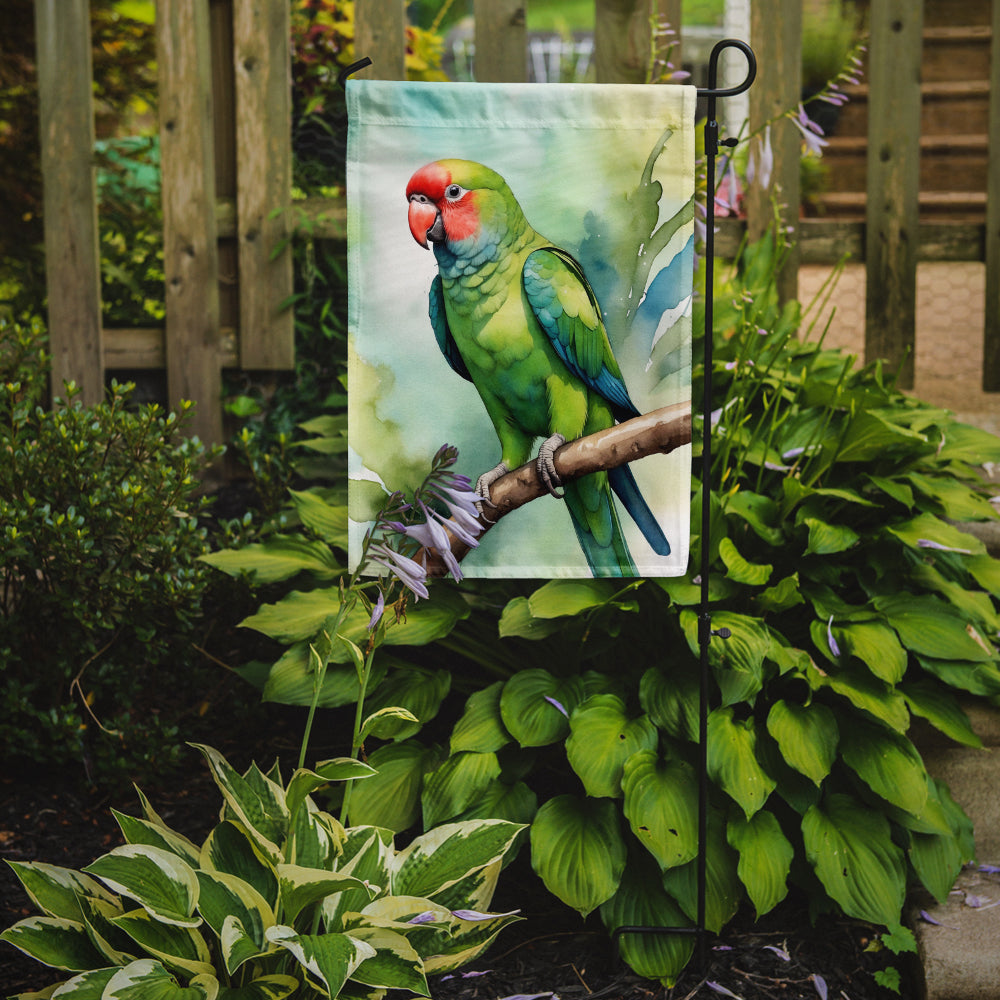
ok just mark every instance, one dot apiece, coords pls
pixel 226 161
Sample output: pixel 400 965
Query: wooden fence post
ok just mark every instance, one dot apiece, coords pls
pixel 623 39
pixel 501 41
pixel 190 251
pixel 991 332
pixel 72 255
pixel 380 34
pixel 262 61
pixel 776 35
pixel 892 214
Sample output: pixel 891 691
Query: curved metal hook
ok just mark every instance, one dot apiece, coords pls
pixel 713 69
pixel 353 68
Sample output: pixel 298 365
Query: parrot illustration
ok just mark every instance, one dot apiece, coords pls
pixel 515 315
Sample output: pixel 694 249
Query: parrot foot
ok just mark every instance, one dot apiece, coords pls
pixel 546 465
pixel 483 484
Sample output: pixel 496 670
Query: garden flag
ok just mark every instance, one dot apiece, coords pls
pixel 520 276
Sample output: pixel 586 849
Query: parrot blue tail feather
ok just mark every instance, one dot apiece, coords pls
pixel 624 484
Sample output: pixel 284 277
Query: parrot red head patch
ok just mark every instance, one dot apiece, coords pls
pixel 439 208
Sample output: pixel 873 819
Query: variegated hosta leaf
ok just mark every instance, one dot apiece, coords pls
pixel 850 847
pixel 723 889
pixel 116 946
pixel 475 891
pixel 56 891
pixel 54 941
pixel 467 941
pixel 456 784
pixel 300 887
pixel 329 959
pixel 732 760
pixel 256 801
pixel 535 706
pixel 395 964
pixel 441 857
pixel 86 986
pixel 177 947
pixel 225 897
pixel 602 737
pixel 367 853
pixel 765 858
pixel 304 782
pixel 481 727
pixel 147 979
pixel 661 799
pixel 141 831
pixel 315 839
pixel 230 849
pixel 273 987
pixel 642 902
pixel 807 736
pixel 158 880
pixel 578 851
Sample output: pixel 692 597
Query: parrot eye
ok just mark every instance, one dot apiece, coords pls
pixel 453 192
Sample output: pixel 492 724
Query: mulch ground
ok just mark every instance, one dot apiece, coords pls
pixel 551 952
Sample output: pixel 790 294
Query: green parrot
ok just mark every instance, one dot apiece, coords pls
pixel 516 316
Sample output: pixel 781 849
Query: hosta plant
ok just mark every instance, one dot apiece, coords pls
pixel 279 900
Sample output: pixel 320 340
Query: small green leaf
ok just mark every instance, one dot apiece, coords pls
pixel 279 558
pixel 739 569
pixel 671 699
pixel 578 851
pixel 559 598
pixel 828 539
pixel 732 760
pixel 327 520
pixel 765 858
pixel 807 736
pixel 481 727
pixel 383 723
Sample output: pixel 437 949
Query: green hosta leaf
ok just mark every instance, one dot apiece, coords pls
pixel 765 858
pixel 807 736
pixel 274 987
pixel 876 646
pixel 871 435
pixel 304 782
pixel 732 760
pixel 297 616
pixel 147 979
pixel 142 831
pixel 395 964
pixel 975 605
pixel 602 738
pixel 965 443
pixel 443 856
pixel 516 803
pixel 535 706
pixel 738 661
pixel 976 678
pixel 330 959
pixel 986 571
pixel 517 620
pixel 931 628
pixel 661 798
pixel 391 798
pixel 850 848
pixel 888 763
pixel 641 901
pixel 481 728
pixel 928 528
pixel 558 598
pixel 260 809
pixel 941 709
pixel 279 558
pixel 180 948
pixel 893 488
pixel 54 941
pixel 456 784
pixel 159 881
pixel 937 860
pixel 301 887
pixel 738 569
pixel 671 699
pixel 578 851
pixel 957 501
pixel 56 891
pixel 291 680
pixel 230 849
pixel 723 889
pixel 385 723
pixel 783 595
pixel 417 690
pixel 864 691
pixel 225 897
pixel 758 511
pixel 327 520
pixel 827 539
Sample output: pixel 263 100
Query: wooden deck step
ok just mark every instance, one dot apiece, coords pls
pixel 954 52
pixel 958 206
pixel 946 105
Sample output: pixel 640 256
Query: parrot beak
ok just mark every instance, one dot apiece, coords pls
pixel 423 217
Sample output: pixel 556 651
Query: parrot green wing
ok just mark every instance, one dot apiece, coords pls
pixel 442 334
pixel 568 312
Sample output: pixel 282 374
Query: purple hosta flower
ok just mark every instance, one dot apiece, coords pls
pixel 719 988
pixel 760 165
pixel 831 642
pixel 432 536
pixel 812 134
pixel 927 918
pixel 531 996
pixel 465 975
pixel 377 611
pixel 558 705
pixel 990 869
pixel 928 543
pixel 427 917
pixel 728 195
pixel 780 952
pixel 410 573
pixel 820 984
pixel 475 915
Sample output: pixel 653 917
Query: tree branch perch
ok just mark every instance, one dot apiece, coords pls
pixel 658 432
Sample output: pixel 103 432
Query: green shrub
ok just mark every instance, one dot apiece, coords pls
pixel 280 899
pixel 99 541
